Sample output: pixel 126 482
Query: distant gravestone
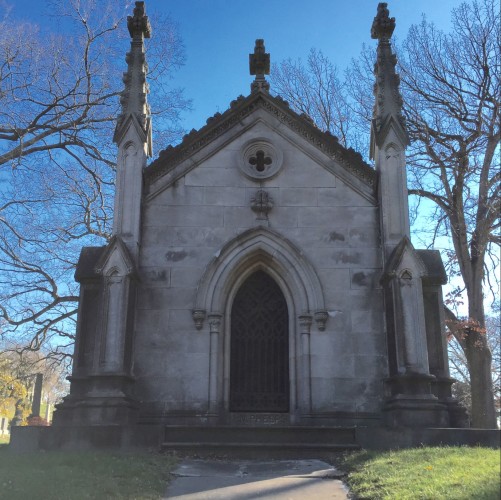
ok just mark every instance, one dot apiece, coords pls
pixel 37 396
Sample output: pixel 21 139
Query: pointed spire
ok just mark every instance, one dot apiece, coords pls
pixel 134 97
pixel 388 100
pixel 259 65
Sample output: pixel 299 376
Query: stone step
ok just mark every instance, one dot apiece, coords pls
pixel 275 434
pixel 279 442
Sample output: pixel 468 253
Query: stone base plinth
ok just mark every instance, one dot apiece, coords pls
pixel 123 437
pixel 411 402
pixel 98 400
pixel 415 412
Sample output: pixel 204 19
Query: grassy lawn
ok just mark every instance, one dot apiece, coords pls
pixel 74 476
pixel 454 473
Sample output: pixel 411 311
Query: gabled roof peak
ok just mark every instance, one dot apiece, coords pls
pixel 239 109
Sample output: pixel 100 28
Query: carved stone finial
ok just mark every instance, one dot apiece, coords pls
pixel 259 62
pixel 138 24
pixel 133 99
pixel 259 65
pixel 388 99
pixel 261 203
pixel 383 25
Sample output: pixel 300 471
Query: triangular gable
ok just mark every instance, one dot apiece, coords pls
pixel 404 262
pixel 115 258
pixel 379 134
pixel 220 124
pixel 144 134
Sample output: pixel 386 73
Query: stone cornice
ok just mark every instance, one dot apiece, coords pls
pixel 239 109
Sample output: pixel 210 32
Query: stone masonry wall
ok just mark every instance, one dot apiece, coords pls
pixel 335 227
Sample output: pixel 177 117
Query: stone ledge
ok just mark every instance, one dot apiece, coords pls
pixel 99 437
pixel 383 438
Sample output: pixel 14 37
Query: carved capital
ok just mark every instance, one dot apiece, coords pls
pixel 321 318
pixel 198 316
pixel 305 321
pixel 215 322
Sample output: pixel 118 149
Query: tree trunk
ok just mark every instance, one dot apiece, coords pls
pixel 479 359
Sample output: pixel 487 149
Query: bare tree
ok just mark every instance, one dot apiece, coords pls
pixel 60 83
pixel 451 88
pixel 316 90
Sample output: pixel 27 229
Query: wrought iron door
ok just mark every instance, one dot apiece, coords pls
pixel 259 347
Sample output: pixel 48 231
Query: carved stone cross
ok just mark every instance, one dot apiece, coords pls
pixel 260 160
pixel 383 25
pixel 259 65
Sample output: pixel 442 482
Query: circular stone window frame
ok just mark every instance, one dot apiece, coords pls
pixel 250 149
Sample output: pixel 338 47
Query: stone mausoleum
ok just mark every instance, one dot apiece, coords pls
pixel 260 274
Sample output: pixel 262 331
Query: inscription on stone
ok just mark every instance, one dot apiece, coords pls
pixel 264 419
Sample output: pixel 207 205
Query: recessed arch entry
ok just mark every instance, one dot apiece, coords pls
pixel 256 251
pixel 259 347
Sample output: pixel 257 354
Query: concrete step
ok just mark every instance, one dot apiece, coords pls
pixel 253 442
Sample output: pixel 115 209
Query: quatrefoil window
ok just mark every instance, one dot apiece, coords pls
pixel 260 160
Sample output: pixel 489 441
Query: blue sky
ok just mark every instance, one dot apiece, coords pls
pixel 219 34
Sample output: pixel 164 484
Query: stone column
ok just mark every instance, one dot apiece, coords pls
pixel 412 325
pixel 114 325
pixel 305 321
pixel 215 330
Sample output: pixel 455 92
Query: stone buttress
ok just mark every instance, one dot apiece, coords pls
pixel 102 382
pixel 419 382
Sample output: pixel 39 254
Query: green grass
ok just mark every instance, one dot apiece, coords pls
pixel 74 476
pixel 454 473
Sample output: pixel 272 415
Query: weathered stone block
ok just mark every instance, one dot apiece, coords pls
pixel 208 176
pixel 367 321
pixel 226 196
pixel 334 216
pixel 185 277
pixel 305 196
pixel 365 278
pixel 179 194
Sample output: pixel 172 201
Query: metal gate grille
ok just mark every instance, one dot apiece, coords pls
pixel 259 347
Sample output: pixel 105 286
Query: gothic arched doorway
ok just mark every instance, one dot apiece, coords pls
pixel 259 347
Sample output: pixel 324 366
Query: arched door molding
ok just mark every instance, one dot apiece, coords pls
pixel 260 249
pixel 278 253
